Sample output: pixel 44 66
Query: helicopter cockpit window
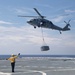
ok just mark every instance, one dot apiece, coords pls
pixel 50 22
pixel 31 20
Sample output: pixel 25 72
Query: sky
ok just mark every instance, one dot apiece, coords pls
pixel 16 36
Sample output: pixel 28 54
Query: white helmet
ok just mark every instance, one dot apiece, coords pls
pixel 12 55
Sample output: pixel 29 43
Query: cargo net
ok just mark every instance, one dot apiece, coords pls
pixel 44 47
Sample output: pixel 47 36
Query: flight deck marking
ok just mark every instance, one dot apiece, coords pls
pixel 29 71
pixel 1 73
pixel 35 71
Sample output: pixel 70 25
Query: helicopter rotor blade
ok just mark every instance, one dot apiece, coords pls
pixel 65 22
pixel 38 13
pixel 69 21
pixel 27 16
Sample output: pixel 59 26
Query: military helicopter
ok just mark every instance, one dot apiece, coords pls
pixel 40 21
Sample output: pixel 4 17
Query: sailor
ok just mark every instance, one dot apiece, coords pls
pixel 12 60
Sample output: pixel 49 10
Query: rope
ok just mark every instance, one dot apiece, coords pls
pixel 42 36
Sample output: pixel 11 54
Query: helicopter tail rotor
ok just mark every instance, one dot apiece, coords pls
pixel 66 28
pixel 68 23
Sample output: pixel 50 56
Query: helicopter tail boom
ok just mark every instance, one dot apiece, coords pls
pixel 66 28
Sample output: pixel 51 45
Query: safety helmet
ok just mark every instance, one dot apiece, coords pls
pixel 12 55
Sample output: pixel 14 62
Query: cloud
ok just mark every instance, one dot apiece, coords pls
pixel 44 5
pixel 73 20
pixel 68 40
pixel 23 11
pixel 27 38
pixel 70 11
pixel 24 34
pixel 57 19
pixel 16 34
pixel 4 22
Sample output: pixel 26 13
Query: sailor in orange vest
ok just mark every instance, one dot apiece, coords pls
pixel 12 60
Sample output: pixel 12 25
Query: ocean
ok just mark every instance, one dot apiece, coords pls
pixel 7 56
pixel 39 65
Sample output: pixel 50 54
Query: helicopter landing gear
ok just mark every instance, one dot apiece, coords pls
pixel 39 26
pixel 34 26
pixel 60 32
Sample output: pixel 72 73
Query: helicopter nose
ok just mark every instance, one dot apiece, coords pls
pixel 28 21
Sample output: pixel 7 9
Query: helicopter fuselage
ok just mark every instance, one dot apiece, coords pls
pixel 44 23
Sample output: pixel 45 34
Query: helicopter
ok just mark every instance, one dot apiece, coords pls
pixel 40 21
